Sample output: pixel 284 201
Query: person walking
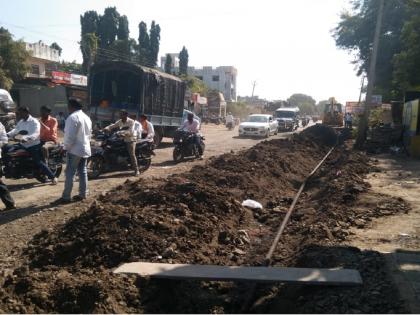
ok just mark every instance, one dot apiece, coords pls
pixel 77 133
pixel 130 137
pixel 30 141
pixel 4 191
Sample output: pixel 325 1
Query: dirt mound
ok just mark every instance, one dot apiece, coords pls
pixel 196 217
pixel 320 134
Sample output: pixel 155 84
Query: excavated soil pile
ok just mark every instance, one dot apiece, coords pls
pixel 195 217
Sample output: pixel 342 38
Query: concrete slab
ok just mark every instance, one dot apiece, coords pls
pixel 233 273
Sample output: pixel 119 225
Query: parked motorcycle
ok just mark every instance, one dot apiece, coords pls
pixel 109 153
pixel 185 146
pixel 17 163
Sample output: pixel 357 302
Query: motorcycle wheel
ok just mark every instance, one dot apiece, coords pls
pixel 177 155
pixel 43 178
pixel 95 165
pixel 143 164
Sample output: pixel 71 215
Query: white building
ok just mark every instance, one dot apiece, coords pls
pixel 222 79
pixel 41 56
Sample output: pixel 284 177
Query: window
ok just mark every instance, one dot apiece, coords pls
pixel 35 69
pixel 215 78
pixel 199 77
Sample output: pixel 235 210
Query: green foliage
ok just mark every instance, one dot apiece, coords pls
pixel 108 27
pixel 168 64
pixel 305 103
pixel 196 85
pixel 154 44
pixel 89 46
pixel 183 61
pixel 71 67
pixel 144 44
pixel 56 47
pixel 123 31
pixel 398 45
pixel 89 22
pixel 13 56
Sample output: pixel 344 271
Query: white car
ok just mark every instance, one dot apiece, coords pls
pixel 259 125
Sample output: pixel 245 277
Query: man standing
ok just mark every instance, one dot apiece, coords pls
pixel 193 125
pixel 129 134
pixel 30 141
pixel 77 133
pixel 4 191
pixel 49 126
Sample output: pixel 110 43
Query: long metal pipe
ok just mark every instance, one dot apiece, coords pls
pixel 292 207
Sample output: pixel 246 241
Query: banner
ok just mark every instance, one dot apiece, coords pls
pixel 61 77
pixel 77 79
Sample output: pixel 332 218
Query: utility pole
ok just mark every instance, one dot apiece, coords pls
pixel 363 122
pixel 253 88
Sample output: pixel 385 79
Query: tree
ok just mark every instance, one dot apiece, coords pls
pixel 168 64
pixel 355 31
pixel 108 27
pixel 71 67
pixel 154 44
pixel 13 56
pixel 195 85
pixel 144 44
pixel 89 22
pixel 123 31
pixel 183 61
pixel 56 47
pixel 305 103
pixel 89 46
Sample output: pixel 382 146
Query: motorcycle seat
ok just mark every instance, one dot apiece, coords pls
pixel 19 153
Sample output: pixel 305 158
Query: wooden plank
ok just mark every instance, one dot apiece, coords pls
pixel 234 273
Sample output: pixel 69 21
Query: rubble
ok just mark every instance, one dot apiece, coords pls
pixel 197 218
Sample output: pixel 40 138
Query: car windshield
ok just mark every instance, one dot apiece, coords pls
pixel 260 119
pixel 284 114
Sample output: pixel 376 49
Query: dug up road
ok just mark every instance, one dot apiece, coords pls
pixel 35 212
pixel 355 213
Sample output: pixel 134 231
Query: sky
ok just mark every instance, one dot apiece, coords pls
pixel 286 46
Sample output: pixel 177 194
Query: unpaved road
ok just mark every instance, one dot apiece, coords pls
pixel 36 213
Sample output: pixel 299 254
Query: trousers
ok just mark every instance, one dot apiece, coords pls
pixel 75 164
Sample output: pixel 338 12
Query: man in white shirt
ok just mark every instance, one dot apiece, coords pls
pixel 193 125
pixel 130 138
pixel 4 191
pixel 147 129
pixel 31 141
pixel 77 133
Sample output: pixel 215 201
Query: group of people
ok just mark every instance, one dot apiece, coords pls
pixel 36 135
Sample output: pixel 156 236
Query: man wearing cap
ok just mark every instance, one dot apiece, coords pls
pixel 129 134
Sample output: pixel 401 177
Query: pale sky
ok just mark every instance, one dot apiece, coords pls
pixel 284 45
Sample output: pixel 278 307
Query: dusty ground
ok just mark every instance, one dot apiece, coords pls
pixel 397 237
pixel 35 212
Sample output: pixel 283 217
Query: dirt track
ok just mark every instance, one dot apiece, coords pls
pixel 35 212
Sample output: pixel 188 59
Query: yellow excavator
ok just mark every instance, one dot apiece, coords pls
pixel 333 114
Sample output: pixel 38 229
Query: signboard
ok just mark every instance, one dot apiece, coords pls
pixel 77 79
pixel 61 77
pixel 68 78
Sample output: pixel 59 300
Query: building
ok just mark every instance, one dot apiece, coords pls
pixel 42 60
pixel 175 61
pixel 45 84
pixel 222 79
